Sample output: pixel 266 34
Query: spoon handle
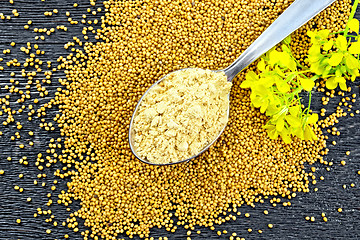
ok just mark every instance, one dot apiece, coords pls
pixel 296 15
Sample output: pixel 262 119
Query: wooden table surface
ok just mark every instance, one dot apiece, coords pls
pixel 289 222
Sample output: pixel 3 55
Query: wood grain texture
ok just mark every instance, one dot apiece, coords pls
pixel 289 222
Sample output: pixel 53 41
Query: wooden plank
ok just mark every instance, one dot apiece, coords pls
pixel 289 222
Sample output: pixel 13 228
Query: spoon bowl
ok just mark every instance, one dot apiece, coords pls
pixel 132 131
pixel 296 15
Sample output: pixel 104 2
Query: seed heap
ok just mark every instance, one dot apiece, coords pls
pixel 142 41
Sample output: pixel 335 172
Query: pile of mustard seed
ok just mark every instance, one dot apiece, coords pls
pixel 141 42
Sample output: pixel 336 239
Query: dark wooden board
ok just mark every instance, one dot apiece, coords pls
pixel 289 222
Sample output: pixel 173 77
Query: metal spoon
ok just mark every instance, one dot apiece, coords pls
pixel 296 15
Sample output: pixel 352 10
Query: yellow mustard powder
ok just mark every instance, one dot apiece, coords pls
pixel 181 115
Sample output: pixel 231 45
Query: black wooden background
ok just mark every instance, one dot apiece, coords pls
pixel 289 222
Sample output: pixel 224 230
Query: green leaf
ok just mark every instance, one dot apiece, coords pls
pixel 353 25
pixel 355 47
pixel 293 121
pixel 336 59
pixel 351 62
pixel 341 43
pixel 307 84
pixel 280 125
pixel 328 45
pixel 312 119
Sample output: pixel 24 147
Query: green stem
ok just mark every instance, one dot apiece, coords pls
pixel 309 103
pixel 297 62
pixel 297 91
pixel 336 33
pixel 302 72
pixel 352 14
pixel 299 99
pixel 350 36
pixel 292 81
pixel 307 110
pixel 327 76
